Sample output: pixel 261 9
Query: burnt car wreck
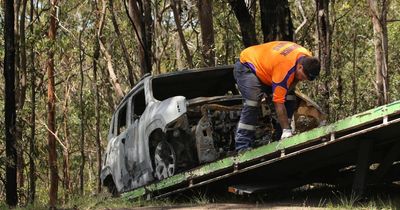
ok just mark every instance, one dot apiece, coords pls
pixel 174 122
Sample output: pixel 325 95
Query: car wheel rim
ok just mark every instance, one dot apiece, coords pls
pixel 164 159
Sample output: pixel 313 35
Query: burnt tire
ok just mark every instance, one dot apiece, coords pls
pixel 112 189
pixel 164 160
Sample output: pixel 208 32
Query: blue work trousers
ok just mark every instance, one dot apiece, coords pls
pixel 252 90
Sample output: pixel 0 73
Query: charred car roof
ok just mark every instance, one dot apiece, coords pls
pixel 194 83
pixel 191 83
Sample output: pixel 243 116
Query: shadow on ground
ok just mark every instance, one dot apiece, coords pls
pixel 315 196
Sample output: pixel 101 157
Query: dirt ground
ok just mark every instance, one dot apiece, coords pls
pixel 277 206
pixel 381 197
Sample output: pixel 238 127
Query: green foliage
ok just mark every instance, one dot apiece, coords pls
pixel 351 29
pixel 228 43
pixel 394 51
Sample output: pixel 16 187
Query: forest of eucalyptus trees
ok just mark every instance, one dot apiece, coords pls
pixel 67 64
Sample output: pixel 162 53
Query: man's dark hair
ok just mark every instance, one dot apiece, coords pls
pixel 311 67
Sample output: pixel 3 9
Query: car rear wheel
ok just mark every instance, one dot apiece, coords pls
pixel 164 160
pixel 109 183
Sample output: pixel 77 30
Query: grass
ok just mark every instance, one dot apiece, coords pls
pixel 355 202
pixel 345 200
pixel 349 203
pixel 387 197
pixel 104 200
pixel 327 197
pixel 99 201
pixel 35 206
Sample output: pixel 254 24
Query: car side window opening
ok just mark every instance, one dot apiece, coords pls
pixel 112 127
pixel 138 105
pixel 121 119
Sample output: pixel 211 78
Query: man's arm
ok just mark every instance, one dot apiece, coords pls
pixel 282 115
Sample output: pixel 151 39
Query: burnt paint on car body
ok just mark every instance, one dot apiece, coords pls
pixel 172 122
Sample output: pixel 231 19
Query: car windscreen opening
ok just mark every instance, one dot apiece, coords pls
pixel 195 83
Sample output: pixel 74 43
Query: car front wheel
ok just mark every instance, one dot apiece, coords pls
pixel 164 160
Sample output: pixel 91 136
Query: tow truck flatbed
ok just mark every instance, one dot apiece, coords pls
pixel 362 148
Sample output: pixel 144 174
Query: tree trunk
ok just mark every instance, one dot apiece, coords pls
pixel 51 109
pixel 178 53
pixel 354 74
pixel 23 75
pixel 139 12
pixel 113 76
pixel 22 84
pixel 32 147
pixel 177 19
pixel 340 95
pixel 161 35
pixel 148 32
pixel 9 104
pixel 246 22
pixel 97 115
pixel 207 31
pixel 66 159
pixel 324 48
pixel 82 120
pixel 96 56
pixel 131 75
pixel 379 16
pixel 17 8
pixel 276 22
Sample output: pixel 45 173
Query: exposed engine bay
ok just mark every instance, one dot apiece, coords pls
pixel 210 125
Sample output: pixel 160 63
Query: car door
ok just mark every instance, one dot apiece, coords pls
pixel 133 163
pixel 120 171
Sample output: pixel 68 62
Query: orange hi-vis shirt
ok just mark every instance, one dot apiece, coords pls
pixel 274 63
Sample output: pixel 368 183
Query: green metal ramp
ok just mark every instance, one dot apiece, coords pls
pixel 360 149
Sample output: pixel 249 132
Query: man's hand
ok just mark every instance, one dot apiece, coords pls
pixel 286 133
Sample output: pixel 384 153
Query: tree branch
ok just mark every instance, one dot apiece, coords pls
pixel 298 3
pixel 392 20
pixel 54 134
